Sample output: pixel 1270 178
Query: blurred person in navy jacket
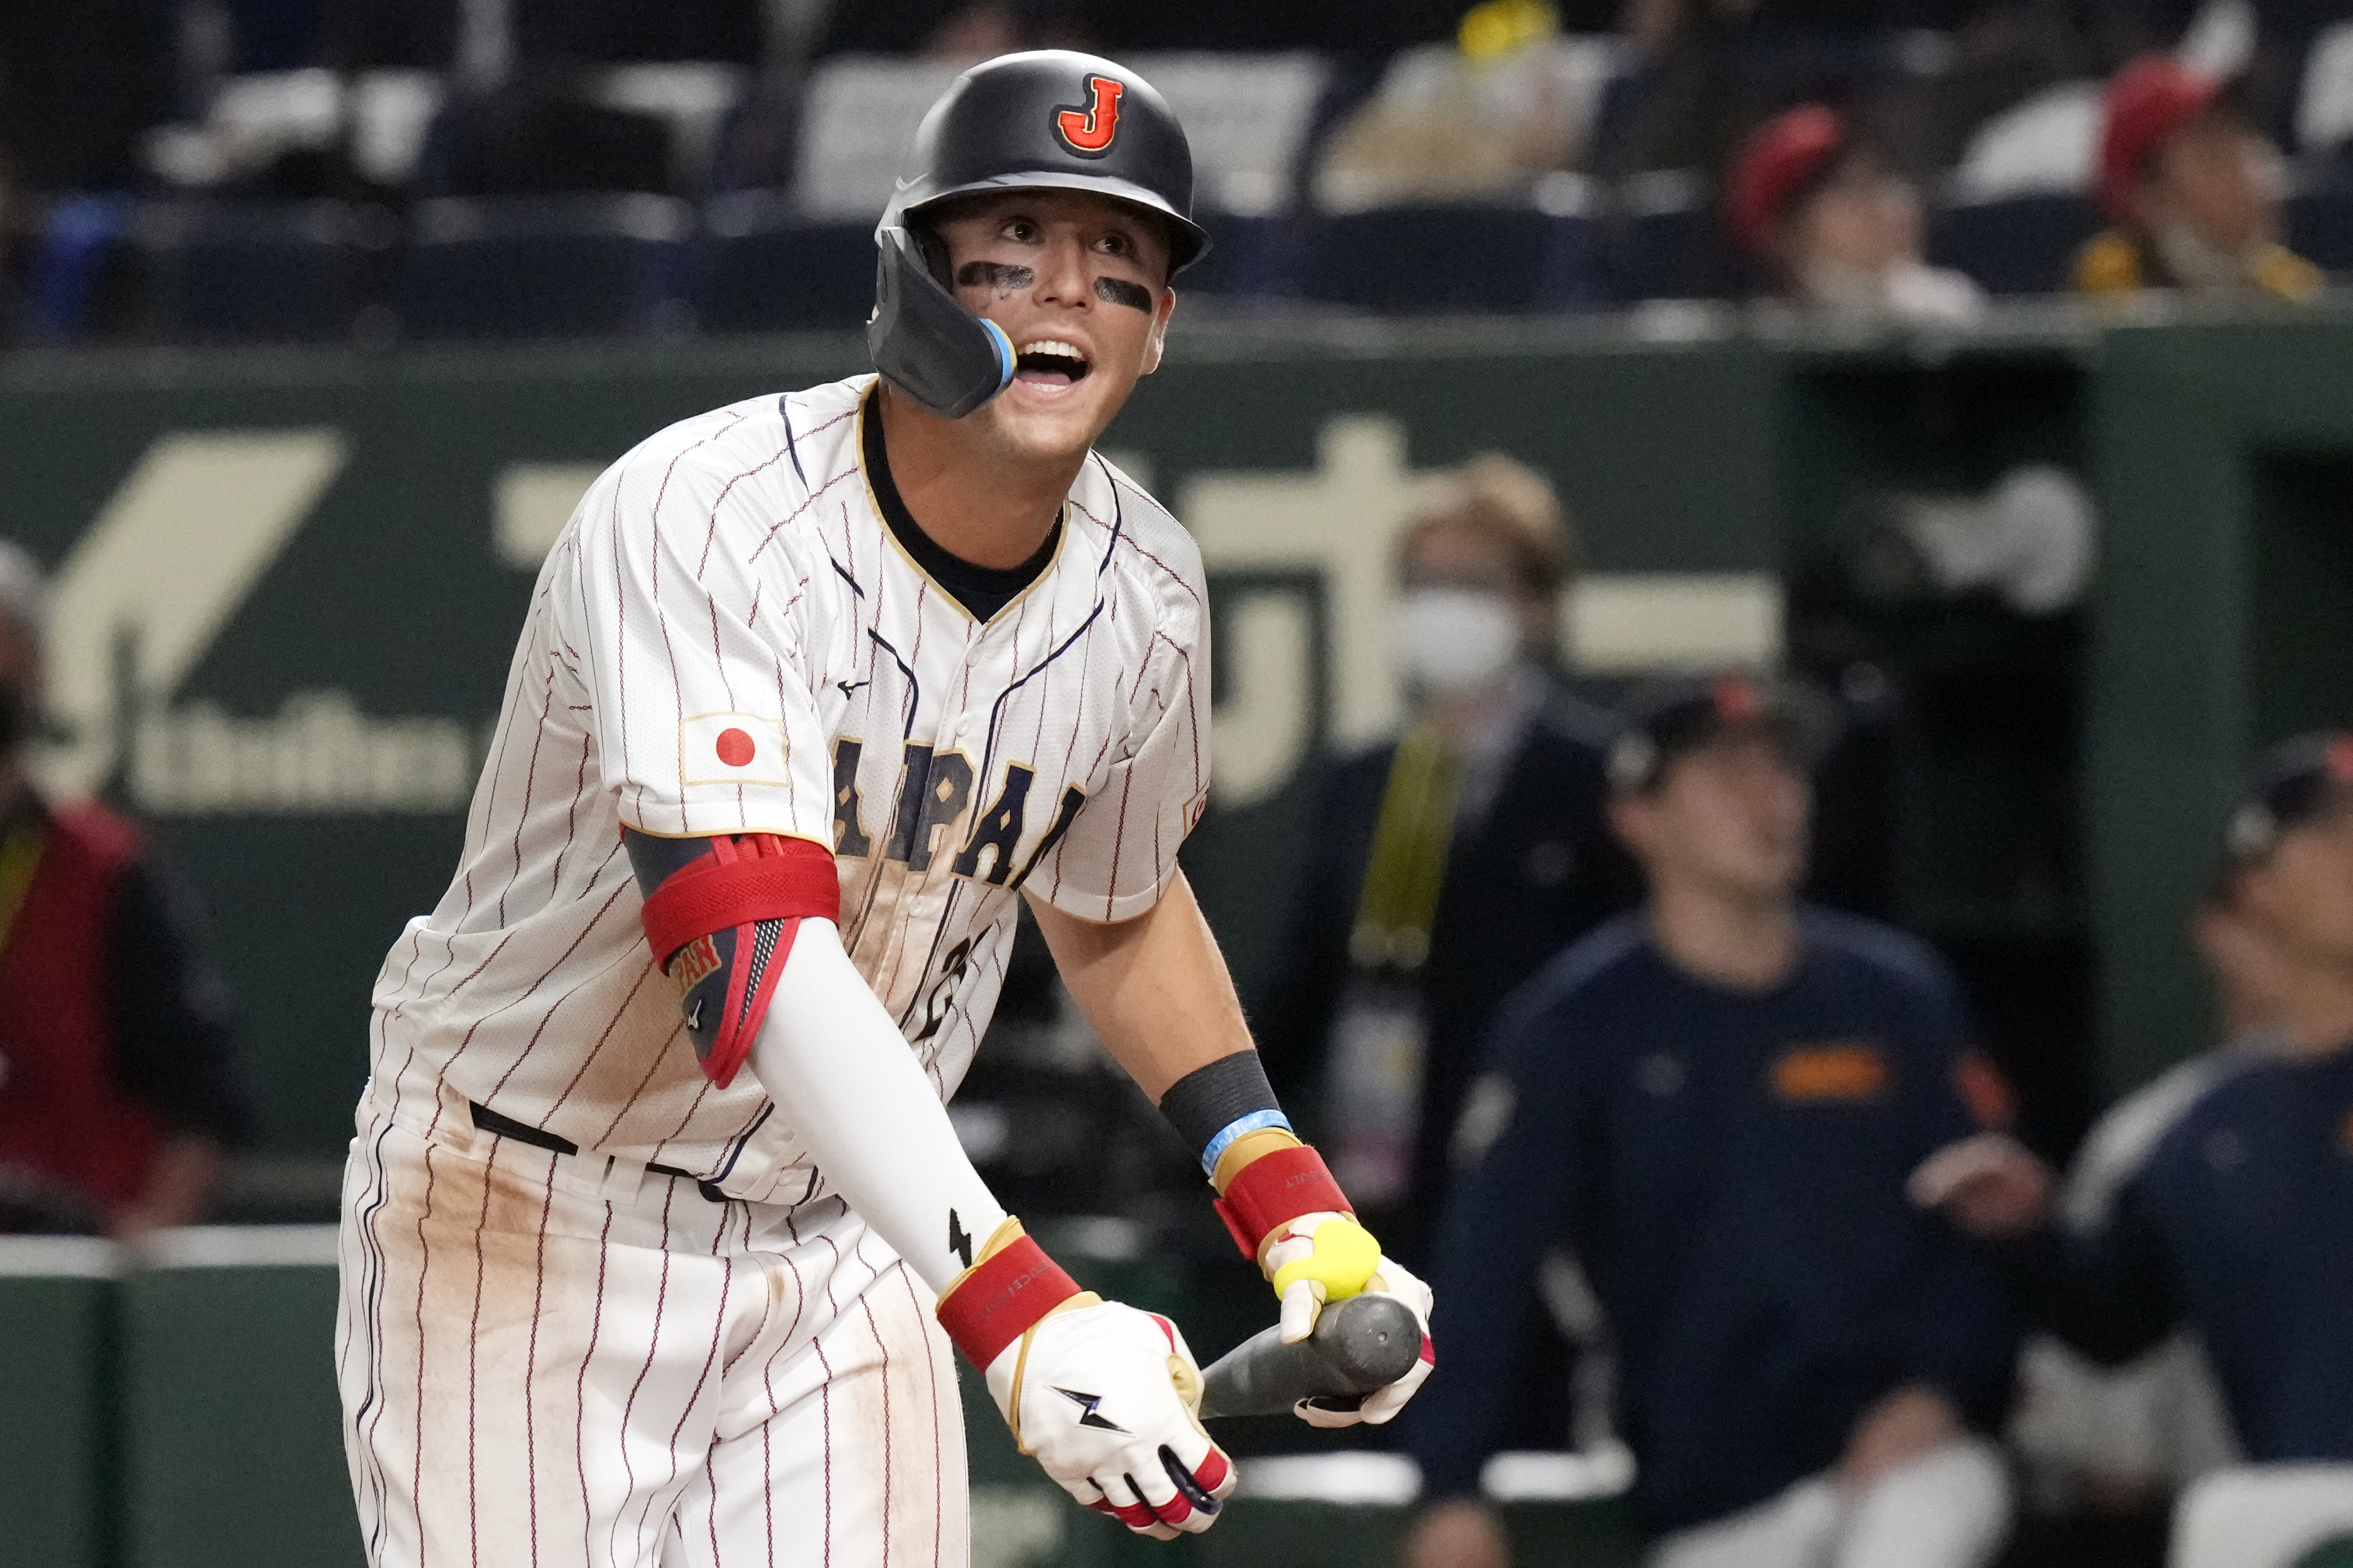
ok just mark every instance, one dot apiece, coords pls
pixel 1714 1103
pixel 119 1095
pixel 2231 1208
pixel 1448 864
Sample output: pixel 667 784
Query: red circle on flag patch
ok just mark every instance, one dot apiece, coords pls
pixel 735 748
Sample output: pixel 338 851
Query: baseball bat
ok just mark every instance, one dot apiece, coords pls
pixel 1359 1344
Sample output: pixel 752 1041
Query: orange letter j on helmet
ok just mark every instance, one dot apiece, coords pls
pixel 1088 131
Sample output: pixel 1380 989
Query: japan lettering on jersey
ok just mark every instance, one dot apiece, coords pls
pixel 727 638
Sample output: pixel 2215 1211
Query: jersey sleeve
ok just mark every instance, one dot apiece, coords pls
pixel 692 624
pixel 1120 851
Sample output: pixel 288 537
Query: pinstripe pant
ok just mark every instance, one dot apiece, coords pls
pixel 545 1364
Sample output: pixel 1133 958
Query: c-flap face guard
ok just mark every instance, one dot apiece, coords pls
pixel 921 336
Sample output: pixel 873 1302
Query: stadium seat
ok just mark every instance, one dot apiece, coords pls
pixel 2015 244
pixel 760 267
pixel 272 271
pixel 1249 257
pixel 856 123
pixel 2320 219
pixel 77 247
pixel 1425 258
pixel 1245 116
pixel 2324 106
pixel 1658 242
pixel 542 267
pixel 692 98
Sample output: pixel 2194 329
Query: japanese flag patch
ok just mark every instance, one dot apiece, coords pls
pixel 732 749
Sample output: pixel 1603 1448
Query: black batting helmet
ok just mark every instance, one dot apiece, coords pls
pixel 1047 118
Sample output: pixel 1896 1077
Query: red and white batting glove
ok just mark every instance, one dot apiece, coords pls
pixel 1105 1397
pixel 1288 1216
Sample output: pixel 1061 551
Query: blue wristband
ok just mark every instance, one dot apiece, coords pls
pixel 1257 1121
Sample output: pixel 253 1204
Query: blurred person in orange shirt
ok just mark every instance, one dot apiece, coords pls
pixel 1836 224
pixel 2192 192
pixel 118 1091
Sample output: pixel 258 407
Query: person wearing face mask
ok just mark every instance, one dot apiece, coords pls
pixel 1450 862
pixel 2192 191
pixel 1714 1102
pixel 1836 225
pixel 119 1089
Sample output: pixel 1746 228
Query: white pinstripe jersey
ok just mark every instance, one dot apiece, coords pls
pixel 727 638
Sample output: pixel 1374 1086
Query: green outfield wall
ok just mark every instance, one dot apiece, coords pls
pixel 289 586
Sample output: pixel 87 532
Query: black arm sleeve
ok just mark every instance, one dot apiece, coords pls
pixel 2109 1294
pixel 174 1034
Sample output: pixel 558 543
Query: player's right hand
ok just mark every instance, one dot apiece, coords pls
pixel 1106 1398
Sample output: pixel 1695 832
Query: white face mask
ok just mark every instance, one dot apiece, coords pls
pixel 1452 641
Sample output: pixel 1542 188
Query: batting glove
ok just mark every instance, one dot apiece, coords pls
pixel 1105 1397
pixel 1289 1215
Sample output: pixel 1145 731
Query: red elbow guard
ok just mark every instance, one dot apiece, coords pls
pixel 722 925
pixel 1275 1188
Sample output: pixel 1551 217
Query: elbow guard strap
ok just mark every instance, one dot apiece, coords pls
pixel 1274 1189
pixel 719 916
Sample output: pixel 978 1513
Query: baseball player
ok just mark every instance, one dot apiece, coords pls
pixel 656 1233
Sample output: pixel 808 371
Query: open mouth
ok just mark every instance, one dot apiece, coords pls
pixel 1050 362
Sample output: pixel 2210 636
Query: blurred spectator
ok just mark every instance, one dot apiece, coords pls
pixel 1448 864
pixel 118 1094
pixel 1714 1103
pixel 2233 1209
pixel 1509 103
pixel 2192 191
pixel 1836 225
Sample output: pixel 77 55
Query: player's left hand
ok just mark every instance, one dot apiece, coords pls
pixel 1319 1258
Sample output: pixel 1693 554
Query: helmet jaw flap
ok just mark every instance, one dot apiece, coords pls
pixel 924 340
pixel 1045 119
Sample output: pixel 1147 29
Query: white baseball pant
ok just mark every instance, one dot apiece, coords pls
pixel 1950 1508
pixel 547 1362
pixel 2261 1516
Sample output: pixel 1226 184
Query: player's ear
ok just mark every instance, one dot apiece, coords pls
pixel 1630 820
pixel 1156 342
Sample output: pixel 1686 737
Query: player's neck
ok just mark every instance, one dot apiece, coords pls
pixel 1741 944
pixel 2316 1015
pixel 973 499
